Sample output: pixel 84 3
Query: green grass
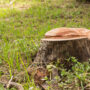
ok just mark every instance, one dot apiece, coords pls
pixel 24 23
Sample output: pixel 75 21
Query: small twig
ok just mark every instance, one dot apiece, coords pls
pixel 8 85
pixel 88 85
pixel 16 85
pixel 12 2
pixel 12 84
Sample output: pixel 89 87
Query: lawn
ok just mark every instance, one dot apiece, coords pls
pixel 24 22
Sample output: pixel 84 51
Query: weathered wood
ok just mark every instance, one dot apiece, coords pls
pixel 51 51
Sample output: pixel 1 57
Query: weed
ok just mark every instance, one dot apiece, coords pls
pixel 76 77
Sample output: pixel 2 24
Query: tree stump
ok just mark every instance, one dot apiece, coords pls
pixel 63 45
pixel 51 51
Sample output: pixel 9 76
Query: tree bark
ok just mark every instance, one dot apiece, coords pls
pixel 53 50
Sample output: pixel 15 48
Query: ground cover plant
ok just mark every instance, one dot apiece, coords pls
pixel 77 77
pixel 22 25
